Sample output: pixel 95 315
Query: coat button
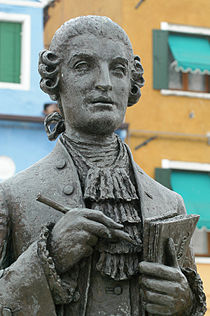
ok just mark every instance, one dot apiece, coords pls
pixel 60 164
pixel 117 290
pixel 68 189
pixel 6 312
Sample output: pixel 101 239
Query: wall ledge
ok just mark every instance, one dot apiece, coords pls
pixel 202 260
pixel 189 94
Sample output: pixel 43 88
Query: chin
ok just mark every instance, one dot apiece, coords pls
pixel 103 125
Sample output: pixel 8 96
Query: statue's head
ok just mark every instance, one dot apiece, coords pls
pixel 91 71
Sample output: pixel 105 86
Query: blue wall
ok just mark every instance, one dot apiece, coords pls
pixel 24 142
pixel 20 102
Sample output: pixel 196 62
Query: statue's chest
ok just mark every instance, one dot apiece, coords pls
pixel 26 227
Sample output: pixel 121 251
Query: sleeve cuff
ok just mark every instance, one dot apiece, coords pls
pixel 196 285
pixel 62 292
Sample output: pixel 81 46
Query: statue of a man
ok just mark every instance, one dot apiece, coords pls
pixel 89 260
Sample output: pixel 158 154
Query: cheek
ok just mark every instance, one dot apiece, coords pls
pixel 122 87
pixel 123 93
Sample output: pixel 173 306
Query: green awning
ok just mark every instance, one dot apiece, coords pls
pixel 191 53
pixel 195 190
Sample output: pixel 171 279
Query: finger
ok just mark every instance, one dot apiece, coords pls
pixel 161 271
pixel 171 253
pixel 98 216
pixel 160 286
pixel 155 309
pixel 160 299
pixel 119 234
pixel 96 229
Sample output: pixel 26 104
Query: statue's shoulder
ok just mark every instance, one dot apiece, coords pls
pixel 156 195
pixel 161 196
pixel 45 170
pixel 148 183
pixel 154 185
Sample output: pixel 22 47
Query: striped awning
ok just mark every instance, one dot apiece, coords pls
pixel 191 53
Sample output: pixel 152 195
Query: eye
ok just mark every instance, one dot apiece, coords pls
pixel 82 66
pixel 119 70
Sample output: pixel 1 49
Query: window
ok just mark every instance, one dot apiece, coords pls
pixel 181 59
pixel 10 51
pixel 192 181
pixel 14 51
pixel 201 243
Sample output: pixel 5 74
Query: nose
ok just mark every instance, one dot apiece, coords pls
pixel 103 81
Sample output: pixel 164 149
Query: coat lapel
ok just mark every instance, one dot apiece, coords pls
pixel 155 200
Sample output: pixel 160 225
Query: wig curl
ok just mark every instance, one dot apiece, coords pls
pixel 49 70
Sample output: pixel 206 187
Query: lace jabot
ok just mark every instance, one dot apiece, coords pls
pixel 108 186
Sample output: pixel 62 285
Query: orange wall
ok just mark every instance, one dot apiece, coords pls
pixel 154 111
pixel 165 113
pixel 66 9
pixel 204 271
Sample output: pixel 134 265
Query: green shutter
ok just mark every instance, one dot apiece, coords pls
pixel 10 52
pixel 160 59
pixel 163 176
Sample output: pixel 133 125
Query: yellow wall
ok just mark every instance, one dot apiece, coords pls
pixel 204 271
pixel 154 111
pixel 66 9
pixel 165 113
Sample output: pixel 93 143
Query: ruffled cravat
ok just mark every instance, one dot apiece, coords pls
pixel 111 183
pixel 108 186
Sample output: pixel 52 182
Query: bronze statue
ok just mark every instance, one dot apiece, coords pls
pixel 80 252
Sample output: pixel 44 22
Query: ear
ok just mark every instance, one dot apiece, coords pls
pixel 134 94
pixel 137 81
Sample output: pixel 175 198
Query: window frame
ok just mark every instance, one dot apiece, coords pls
pixel 193 166
pixel 168 27
pixel 25 61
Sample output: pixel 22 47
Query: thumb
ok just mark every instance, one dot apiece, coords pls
pixel 171 254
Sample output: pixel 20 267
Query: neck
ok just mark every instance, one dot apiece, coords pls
pixel 80 137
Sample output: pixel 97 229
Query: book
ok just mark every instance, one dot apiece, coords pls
pixel 157 232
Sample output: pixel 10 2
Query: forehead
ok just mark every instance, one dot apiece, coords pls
pixel 97 46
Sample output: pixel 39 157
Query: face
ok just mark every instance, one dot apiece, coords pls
pixel 95 84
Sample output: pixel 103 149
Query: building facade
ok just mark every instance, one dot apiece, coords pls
pixel 23 140
pixel 169 127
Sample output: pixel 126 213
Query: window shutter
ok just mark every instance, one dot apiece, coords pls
pixel 160 59
pixel 163 176
pixel 10 52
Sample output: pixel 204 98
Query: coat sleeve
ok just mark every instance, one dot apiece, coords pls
pixel 189 259
pixel 190 272
pixel 4 232
pixel 24 289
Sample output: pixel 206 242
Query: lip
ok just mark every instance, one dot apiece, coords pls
pixel 102 100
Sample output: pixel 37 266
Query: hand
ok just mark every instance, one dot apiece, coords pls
pixel 165 289
pixel 77 232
